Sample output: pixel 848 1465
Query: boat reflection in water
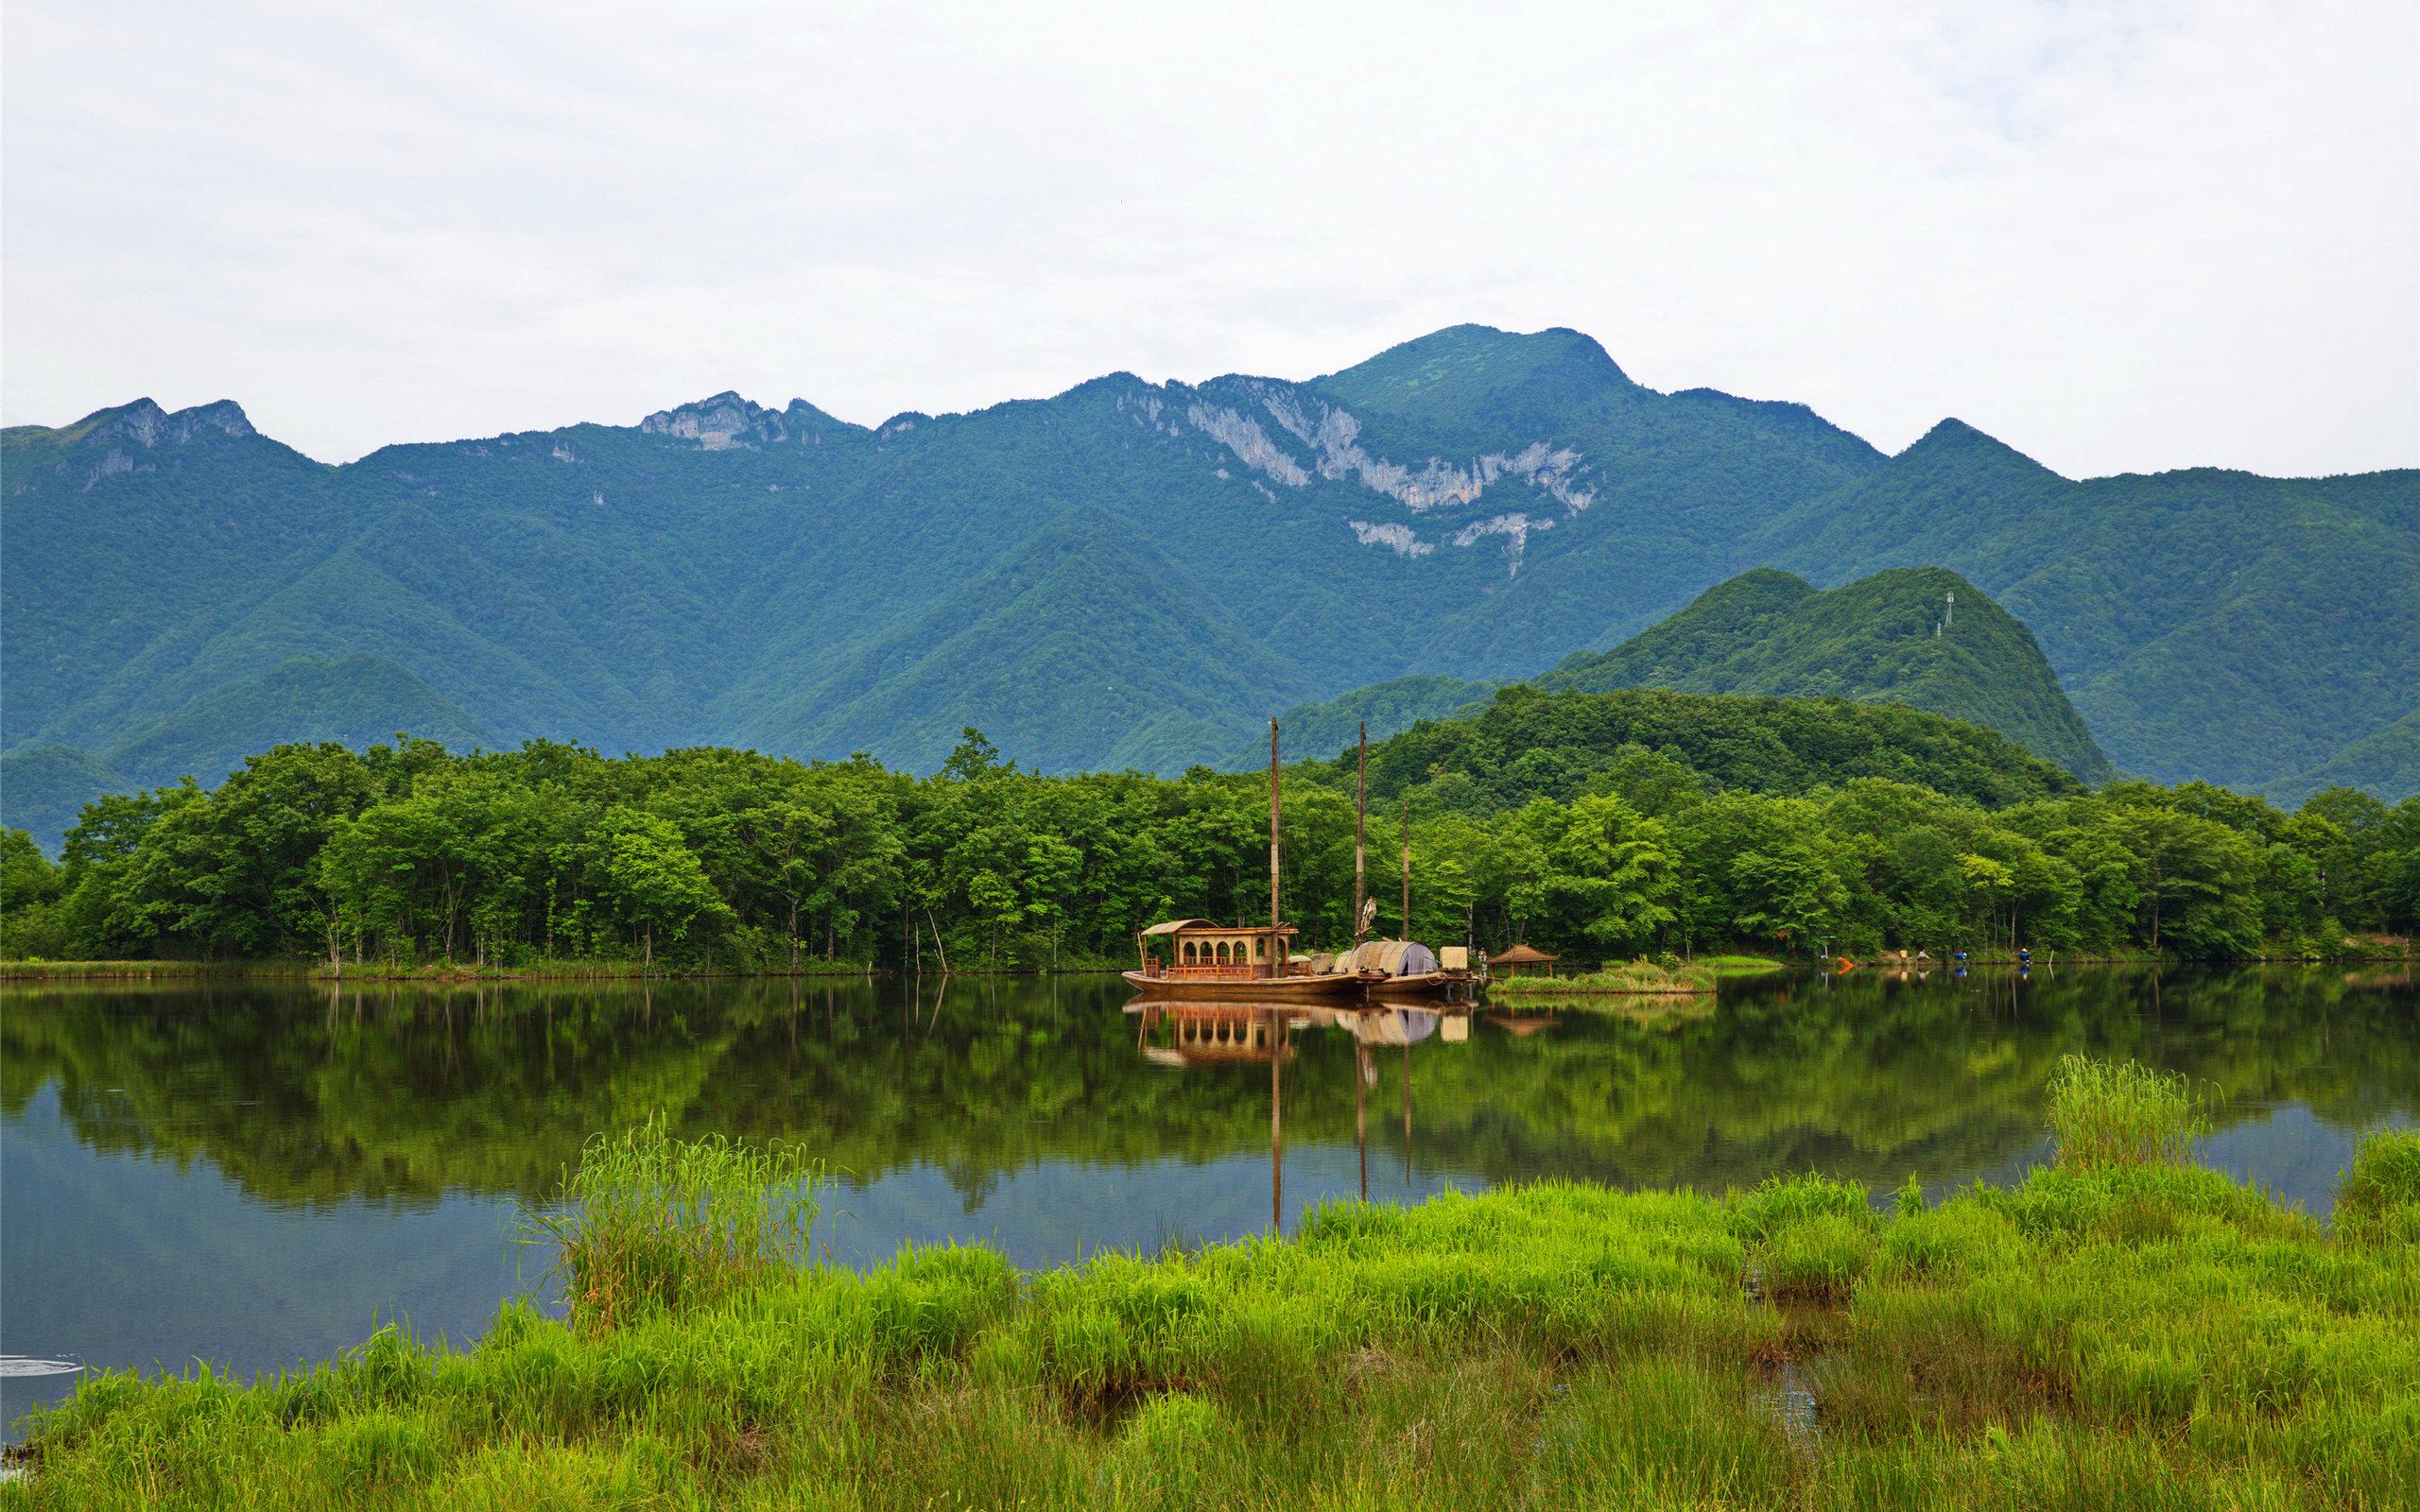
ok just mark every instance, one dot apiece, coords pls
pixel 1184 1035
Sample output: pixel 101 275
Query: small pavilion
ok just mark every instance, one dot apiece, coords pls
pixel 1521 960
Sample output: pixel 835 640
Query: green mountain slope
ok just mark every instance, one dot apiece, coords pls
pixel 1475 505
pixel 1898 637
pixel 2207 624
pixel 2385 761
pixel 1032 652
pixel 1387 708
pixel 41 789
pixel 356 700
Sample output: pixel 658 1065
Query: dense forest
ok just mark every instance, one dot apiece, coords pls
pixel 1598 825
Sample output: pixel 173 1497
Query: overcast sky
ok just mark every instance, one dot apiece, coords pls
pixel 2121 237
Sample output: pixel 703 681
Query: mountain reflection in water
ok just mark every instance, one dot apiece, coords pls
pixel 257 1172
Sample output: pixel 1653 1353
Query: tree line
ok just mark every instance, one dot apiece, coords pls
pixel 407 853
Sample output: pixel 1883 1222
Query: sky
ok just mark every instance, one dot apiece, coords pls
pixel 2121 237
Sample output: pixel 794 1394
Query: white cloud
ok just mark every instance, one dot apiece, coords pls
pixel 2116 236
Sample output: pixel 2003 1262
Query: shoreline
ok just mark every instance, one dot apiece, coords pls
pixel 607 971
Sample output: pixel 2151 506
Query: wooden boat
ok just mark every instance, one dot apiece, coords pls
pixel 1232 963
pixel 1210 962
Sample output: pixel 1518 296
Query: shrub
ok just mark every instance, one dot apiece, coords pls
pixel 2121 1113
pixel 649 1222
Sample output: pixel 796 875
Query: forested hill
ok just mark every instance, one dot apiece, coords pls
pixel 1918 636
pixel 1126 572
pixel 1895 637
pixel 1527 744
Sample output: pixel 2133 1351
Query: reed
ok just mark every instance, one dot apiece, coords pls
pixel 2122 1112
pixel 648 1222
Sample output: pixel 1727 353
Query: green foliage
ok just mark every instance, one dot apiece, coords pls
pixel 2106 1113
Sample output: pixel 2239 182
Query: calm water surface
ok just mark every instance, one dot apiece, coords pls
pixel 257 1174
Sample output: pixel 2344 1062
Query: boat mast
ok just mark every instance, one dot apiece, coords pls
pixel 1277 941
pixel 1360 824
pixel 1407 868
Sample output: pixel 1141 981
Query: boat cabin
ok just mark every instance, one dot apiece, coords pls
pixel 1198 950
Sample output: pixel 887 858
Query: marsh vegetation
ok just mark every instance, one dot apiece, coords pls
pixel 2105 1332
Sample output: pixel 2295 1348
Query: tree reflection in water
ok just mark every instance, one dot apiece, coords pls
pixel 309 1094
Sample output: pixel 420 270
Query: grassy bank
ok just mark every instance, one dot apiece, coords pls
pixel 1643 979
pixel 2117 1330
pixel 1741 965
pixel 100 970
pixel 567 971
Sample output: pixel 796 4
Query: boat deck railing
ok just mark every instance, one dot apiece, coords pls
pixel 1161 970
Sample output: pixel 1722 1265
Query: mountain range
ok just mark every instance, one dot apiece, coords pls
pixel 1128 573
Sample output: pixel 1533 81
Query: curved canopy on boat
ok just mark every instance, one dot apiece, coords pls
pixel 1171 926
pixel 1396 957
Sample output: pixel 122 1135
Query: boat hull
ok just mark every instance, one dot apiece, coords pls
pixel 1327 986
pixel 1424 985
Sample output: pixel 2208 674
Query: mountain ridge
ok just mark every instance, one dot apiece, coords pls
pixel 1473 504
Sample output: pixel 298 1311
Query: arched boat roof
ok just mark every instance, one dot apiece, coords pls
pixel 1209 926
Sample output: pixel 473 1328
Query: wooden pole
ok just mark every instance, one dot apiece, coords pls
pixel 1360 824
pixel 1361 1074
pixel 1277 941
pixel 1277 1124
pixel 1407 866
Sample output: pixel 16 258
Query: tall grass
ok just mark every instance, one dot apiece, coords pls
pixel 2122 1114
pixel 650 1223
pixel 2380 1198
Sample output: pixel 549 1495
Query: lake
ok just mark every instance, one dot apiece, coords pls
pixel 256 1173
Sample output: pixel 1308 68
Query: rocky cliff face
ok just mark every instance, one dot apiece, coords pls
pixel 727 421
pixel 109 442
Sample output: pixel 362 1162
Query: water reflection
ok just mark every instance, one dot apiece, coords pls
pixel 254 1172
